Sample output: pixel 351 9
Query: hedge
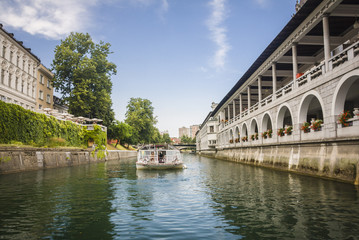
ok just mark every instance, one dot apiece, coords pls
pixel 20 125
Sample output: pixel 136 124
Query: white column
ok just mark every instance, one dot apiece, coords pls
pixel 249 97
pixel 274 79
pixel 326 41
pixel 294 61
pixel 229 112
pixel 234 108
pixel 240 104
pixel 259 90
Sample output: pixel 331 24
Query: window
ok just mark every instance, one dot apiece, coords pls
pixel 28 89
pixel 17 61
pixel 23 64
pixel 41 79
pixel 2 75
pixel 11 56
pixel 41 95
pixel 48 83
pixel 40 106
pixel 28 69
pixel 48 98
pixel 10 77
pixel 211 129
pixel 3 51
pixel 22 86
pixel 16 82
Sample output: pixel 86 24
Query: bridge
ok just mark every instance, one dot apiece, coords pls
pixel 297 106
pixel 184 146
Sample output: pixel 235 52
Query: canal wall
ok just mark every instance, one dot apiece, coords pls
pixel 13 159
pixel 332 160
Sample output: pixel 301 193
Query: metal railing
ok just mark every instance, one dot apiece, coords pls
pixel 154 157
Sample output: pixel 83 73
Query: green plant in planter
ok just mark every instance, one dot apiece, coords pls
pixel 344 117
pixel 289 130
pixel 317 124
pixel 269 131
pixel 280 132
pixel 264 135
pixel 305 127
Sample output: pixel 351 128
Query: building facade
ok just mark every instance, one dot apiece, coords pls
pixel 183 131
pixel 297 106
pixel 17 72
pixel 193 130
pixel 45 91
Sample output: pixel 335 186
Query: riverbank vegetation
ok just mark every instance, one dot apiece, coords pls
pixel 19 126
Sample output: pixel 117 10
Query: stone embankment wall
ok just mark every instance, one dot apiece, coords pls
pixel 333 160
pixel 14 159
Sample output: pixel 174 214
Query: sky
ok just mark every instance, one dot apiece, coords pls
pixel 182 55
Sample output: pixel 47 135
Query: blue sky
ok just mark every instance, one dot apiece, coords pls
pixel 182 55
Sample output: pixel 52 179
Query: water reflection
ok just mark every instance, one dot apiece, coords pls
pixel 56 203
pixel 211 199
pixel 260 203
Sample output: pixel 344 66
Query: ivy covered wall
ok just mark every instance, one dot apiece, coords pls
pixel 20 125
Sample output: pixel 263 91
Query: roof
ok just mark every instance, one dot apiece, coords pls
pixel 296 20
pixel 11 35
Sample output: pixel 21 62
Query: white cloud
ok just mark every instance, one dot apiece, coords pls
pixel 163 9
pixel 52 19
pixel 262 3
pixel 218 32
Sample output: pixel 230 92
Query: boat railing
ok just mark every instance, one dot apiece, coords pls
pixel 154 158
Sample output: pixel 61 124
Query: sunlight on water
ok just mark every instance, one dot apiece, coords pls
pixel 212 199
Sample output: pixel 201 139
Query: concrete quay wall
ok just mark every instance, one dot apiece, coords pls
pixel 13 159
pixel 333 160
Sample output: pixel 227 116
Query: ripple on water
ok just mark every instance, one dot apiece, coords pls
pixel 211 199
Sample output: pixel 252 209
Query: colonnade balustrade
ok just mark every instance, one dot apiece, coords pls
pixel 316 81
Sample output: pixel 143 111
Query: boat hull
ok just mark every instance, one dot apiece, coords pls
pixel 160 166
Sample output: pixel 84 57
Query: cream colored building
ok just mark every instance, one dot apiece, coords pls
pixel 18 67
pixel 44 96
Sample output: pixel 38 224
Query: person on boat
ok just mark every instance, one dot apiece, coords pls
pixel 152 157
pixel 161 157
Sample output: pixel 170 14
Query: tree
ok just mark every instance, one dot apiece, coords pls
pixel 186 139
pixel 82 75
pixel 139 115
pixel 120 131
pixel 166 138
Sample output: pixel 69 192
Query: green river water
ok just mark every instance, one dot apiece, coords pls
pixel 211 199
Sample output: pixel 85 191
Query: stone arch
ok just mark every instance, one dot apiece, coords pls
pixel 267 123
pixel 230 136
pixel 284 116
pixel 311 106
pixel 254 126
pixel 346 95
pixel 244 131
pixel 236 132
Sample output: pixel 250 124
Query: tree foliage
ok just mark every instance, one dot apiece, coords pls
pixel 186 139
pixel 120 131
pixel 140 116
pixel 166 138
pixel 82 75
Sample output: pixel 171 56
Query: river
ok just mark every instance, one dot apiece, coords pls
pixel 211 199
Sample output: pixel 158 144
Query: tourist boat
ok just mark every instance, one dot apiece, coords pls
pixel 158 156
